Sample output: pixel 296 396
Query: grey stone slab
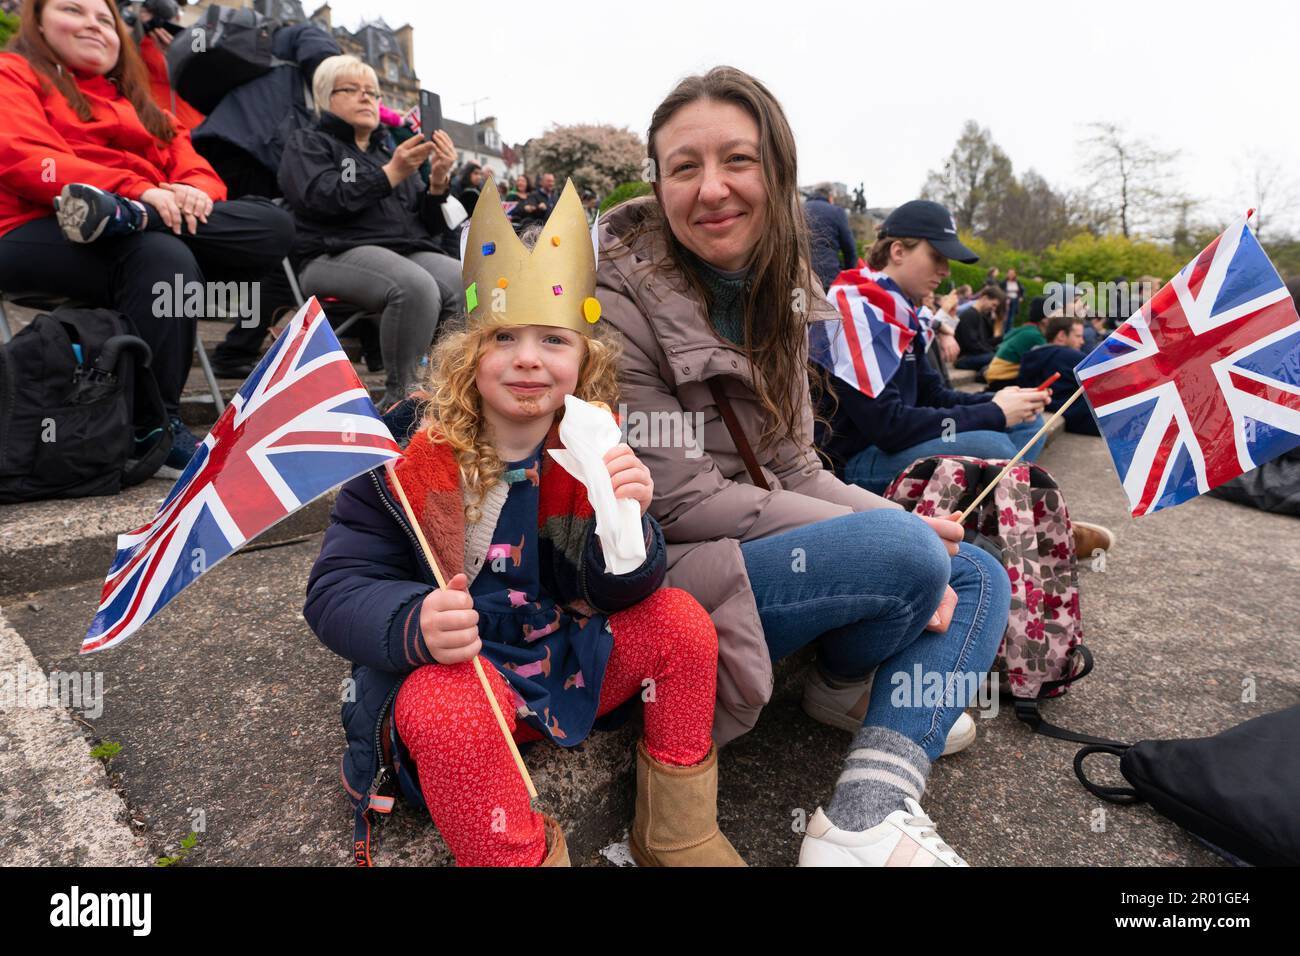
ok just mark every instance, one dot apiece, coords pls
pixel 57 805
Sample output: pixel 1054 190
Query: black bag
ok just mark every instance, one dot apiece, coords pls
pixel 1238 792
pixel 229 46
pixel 67 425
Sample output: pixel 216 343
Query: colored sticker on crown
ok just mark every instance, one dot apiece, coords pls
pixel 471 297
pixel 558 289
pixel 489 248
pixel 591 309
pixel 555 240
pixel 502 282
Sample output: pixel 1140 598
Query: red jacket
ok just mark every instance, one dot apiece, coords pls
pixel 44 146
pixel 160 85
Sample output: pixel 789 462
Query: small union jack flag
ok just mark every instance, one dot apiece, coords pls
pixel 302 424
pixel 876 327
pixel 412 118
pixel 1202 384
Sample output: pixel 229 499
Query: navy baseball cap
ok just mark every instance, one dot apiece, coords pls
pixel 923 219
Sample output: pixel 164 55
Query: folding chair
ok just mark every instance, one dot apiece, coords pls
pixel 357 314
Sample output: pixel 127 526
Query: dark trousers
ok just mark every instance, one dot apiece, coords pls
pixel 973 362
pixel 246 178
pixel 240 242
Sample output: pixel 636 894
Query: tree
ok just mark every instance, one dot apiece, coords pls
pixel 1031 215
pixel 975 178
pixel 1101 259
pixel 1129 178
pixel 597 157
pixel 1191 233
pixel 8 26
pixel 1273 192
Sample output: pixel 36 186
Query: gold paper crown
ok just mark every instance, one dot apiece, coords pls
pixel 506 284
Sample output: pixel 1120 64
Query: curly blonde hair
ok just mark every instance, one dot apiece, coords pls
pixel 453 406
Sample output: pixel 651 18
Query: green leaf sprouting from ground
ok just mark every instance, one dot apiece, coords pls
pixel 106 750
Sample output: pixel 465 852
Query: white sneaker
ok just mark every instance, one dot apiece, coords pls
pixel 904 838
pixel 844 707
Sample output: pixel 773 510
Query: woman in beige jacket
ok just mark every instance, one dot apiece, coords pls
pixel 708 283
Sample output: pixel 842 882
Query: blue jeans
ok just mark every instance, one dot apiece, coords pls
pixel 1013 306
pixel 863 586
pixel 874 469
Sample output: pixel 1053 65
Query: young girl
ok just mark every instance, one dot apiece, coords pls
pixel 567 640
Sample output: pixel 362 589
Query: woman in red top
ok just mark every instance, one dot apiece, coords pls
pixel 136 206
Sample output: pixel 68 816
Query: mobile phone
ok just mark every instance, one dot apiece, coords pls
pixel 160 24
pixel 430 113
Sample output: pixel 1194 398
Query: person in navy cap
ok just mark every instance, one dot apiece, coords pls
pixel 870 440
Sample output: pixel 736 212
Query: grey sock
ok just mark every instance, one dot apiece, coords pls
pixel 882 768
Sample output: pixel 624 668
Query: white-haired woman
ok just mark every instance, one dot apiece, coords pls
pixel 368 232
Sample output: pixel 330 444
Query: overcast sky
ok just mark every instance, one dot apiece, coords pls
pixel 878 93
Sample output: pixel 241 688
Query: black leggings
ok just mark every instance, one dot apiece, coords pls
pixel 242 240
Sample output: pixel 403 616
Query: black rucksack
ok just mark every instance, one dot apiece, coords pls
pixel 66 423
pixel 229 46
pixel 1238 792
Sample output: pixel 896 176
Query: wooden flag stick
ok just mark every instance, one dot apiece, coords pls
pixel 478 661
pixel 961 518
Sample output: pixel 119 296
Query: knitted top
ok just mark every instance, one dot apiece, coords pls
pixel 727 291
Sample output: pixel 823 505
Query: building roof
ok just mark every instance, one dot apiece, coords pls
pixel 378 40
pixel 469 136
pixel 286 11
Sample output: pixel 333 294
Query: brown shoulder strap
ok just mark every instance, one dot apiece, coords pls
pixel 737 434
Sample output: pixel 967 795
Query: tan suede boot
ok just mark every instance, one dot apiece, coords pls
pixel 676 821
pixel 557 851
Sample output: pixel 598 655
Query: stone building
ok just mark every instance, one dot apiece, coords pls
pixel 391 52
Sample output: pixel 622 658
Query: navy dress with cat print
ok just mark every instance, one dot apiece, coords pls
pixel 553 658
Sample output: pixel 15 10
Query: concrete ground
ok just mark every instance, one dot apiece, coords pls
pixel 226 706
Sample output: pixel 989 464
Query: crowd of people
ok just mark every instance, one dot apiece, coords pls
pixel 113 182
pixel 691 302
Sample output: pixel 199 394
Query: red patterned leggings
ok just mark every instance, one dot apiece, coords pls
pixel 469 779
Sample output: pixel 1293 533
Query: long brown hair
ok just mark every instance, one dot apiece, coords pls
pixel 128 74
pixel 775 331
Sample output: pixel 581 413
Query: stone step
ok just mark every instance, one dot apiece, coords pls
pixel 959 377
pixel 49 544
pixel 227 703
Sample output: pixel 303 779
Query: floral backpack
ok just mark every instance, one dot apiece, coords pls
pixel 1024 522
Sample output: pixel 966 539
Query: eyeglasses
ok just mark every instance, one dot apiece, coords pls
pixel 369 91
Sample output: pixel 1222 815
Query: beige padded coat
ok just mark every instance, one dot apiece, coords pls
pixel 703 496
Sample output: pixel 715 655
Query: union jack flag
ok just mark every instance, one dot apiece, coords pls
pixel 1203 383
pixel 925 319
pixel 412 118
pixel 300 425
pixel 876 327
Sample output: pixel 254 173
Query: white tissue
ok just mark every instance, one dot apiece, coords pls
pixel 587 433
pixel 453 213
